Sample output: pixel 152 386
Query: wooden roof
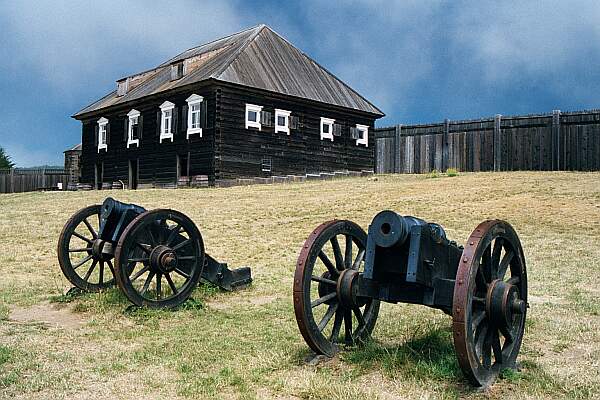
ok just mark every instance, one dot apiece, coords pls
pixel 257 57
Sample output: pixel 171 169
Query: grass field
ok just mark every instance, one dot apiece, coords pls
pixel 247 345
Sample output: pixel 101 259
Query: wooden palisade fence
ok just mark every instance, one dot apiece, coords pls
pixel 26 179
pixel 549 142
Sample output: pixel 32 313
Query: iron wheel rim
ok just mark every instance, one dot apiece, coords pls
pixel 484 347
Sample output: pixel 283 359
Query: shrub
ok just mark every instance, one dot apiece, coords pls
pixel 433 174
pixel 452 172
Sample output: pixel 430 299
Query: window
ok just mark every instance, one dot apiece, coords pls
pixel 194 124
pixel 327 128
pixel 166 121
pixel 266 164
pixel 282 121
pixel 133 134
pixel 102 134
pixel 253 116
pixel 363 135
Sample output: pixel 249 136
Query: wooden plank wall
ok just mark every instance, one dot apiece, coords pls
pixel 557 141
pixel 18 181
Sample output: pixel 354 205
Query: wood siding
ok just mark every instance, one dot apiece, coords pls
pixel 557 141
pixel 240 151
pixel 157 161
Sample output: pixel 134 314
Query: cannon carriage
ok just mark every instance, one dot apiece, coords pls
pixel 342 275
pixel 155 257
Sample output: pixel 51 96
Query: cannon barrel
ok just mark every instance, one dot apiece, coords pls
pixel 115 216
pixel 390 229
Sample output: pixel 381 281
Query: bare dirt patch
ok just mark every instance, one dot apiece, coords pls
pixel 46 314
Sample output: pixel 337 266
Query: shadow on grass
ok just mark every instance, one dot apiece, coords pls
pixel 430 356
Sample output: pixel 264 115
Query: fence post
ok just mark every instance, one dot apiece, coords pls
pixel 397 148
pixel 445 145
pixel 44 178
pixel 497 143
pixel 12 180
pixel 555 140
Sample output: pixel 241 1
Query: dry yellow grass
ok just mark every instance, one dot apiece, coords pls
pixel 246 344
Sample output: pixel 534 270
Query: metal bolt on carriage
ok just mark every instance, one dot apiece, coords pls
pixel 343 274
pixel 155 257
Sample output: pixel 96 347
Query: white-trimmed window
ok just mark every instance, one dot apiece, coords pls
pixel 282 121
pixel 166 121
pixel 363 135
pixel 102 134
pixel 194 124
pixel 133 134
pixel 327 128
pixel 253 116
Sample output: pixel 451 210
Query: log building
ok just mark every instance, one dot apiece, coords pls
pixel 246 105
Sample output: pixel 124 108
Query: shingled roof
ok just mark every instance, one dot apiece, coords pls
pixel 257 57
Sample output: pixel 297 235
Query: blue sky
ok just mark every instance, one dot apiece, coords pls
pixel 419 61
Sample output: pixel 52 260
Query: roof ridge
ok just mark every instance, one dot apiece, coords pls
pixel 212 41
pixel 311 60
pixel 239 51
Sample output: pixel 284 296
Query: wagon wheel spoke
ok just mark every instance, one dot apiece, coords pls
pixel 337 324
pixel 487 349
pixel 359 317
pixel 323 280
pixel 496 257
pixel 323 299
pixel 330 267
pixel 110 265
pixel 138 260
pixel 187 258
pixel 327 317
pixel 158 286
pixel 348 326
pixel 480 279
pixel 337 252
pixel 171 284
pixel 151 236
pixel 101 273
pixel 80 263
pixel 145 247
pixel 477 320
pixel 479 338
pixel 90 228
pixel 182 273
pixel 147 283
pixel 182 244
pixel 80 236
pixel 348 252
pixel 496 346
pixel 139 273
pixel 89 272
pixel 359 259
pixel 81 250
pixel 508 335
pixel 486 265
pixel 504 264
pixel 172 235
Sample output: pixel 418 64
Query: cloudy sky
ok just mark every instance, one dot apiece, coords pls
pixel 419 61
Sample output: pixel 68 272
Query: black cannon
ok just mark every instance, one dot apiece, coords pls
pixel 342 274
pixel 158 255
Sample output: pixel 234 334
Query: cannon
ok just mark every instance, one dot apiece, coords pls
pixel 155 257
pixel 343 274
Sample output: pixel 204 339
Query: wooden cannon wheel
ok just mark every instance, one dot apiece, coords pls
pixel 159 259
pixel 490 302
pixel 80 252
pixel 321 269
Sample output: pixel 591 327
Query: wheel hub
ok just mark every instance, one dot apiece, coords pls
pixel 163 259
pixel 502 303
pixel 347 289
pixel 101 249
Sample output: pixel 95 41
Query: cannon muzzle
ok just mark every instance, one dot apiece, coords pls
pixel 391 229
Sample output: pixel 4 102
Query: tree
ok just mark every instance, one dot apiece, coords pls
pixel 5 161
